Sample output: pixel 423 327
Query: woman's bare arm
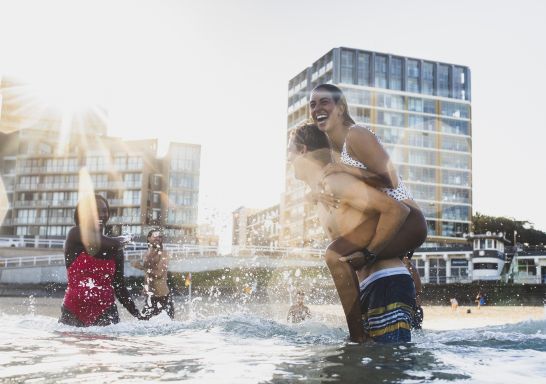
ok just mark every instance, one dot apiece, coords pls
pixel 364 146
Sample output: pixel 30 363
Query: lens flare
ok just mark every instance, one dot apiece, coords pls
pixel 87 213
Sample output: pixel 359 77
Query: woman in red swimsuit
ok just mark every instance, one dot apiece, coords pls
pixel 94 265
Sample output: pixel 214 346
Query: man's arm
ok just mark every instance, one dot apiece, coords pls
pixel 360 196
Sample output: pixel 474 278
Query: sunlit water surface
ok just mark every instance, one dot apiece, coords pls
pixel 251 343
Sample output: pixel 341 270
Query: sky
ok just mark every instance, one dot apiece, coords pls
pixel 216 73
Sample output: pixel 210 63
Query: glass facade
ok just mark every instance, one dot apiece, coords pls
pixel 421 111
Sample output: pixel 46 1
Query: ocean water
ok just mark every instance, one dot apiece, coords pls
pixel 215 342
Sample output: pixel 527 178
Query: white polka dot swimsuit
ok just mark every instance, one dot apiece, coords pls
pixel 400 193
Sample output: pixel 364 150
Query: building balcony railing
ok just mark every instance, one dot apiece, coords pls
pixel 117 185
pixel 44 203
pixel 55 220
pixel 47 186
pixel 125 220
pixel 52 220
pixel 123 203
pixel 40 170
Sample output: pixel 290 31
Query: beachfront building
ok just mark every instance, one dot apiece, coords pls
pixel 256 228
pixel 45 163
pixel 421 111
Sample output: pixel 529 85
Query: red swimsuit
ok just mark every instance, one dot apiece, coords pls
pixel 90 291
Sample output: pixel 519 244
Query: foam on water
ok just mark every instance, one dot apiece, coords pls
pixel 238 346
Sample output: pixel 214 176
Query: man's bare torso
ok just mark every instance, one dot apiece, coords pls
pixel 338 222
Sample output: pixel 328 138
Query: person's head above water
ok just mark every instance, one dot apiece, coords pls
pixel 101 206
pixel 308 146
pixel 328 108
pixel 155 238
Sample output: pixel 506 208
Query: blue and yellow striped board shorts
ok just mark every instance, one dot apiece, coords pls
pixel 387 300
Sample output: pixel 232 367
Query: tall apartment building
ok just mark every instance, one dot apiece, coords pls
pixel 40 165
pixel 143 190
pixel 421 111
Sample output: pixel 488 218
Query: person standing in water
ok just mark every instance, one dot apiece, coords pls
pixel 94 265
pixel 155 266
pixel 358 151
pixel 299 311
pixel 364 218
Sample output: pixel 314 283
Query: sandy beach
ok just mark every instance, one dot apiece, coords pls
pixel 444 318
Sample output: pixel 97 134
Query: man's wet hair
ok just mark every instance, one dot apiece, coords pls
pixel 311 136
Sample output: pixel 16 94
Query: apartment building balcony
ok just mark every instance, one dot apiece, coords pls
pixel 123 203
pixel 49 187
pixel 64 220
pixel 117 185
pixel 44 203
pixel 41 170
pixel 125 220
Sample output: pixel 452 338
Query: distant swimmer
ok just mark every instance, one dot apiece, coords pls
pixel 298 312
pixel 155 266
pixel 94 265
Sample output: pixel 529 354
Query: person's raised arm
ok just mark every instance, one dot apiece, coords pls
pixel 364 146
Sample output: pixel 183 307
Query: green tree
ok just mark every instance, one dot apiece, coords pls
pixel 526 233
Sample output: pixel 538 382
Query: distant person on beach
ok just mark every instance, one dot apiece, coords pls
pixel 94 265
pixel 155 266
pixel 298 312
pixel 454 304
pixel 363 220
pixel 480 299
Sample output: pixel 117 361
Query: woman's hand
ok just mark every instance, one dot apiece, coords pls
pixel 357 260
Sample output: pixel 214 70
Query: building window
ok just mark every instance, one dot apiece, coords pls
pixel 412 74
pixel 490 266
pixel 454 143
pixel 347 67
pixel 456 212
pixel 456 127
pixel 416 156
pixel 454 160
pixel 443 80
pixel 380 67
pixel 390 118
pixel 459 80
pixel 456 195
pixel 457 110
pixel 428 78
pixel 395 78
pixel 437 271
pixel 363 69
pixel 458 178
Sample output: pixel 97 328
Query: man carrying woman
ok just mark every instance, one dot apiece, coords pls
pixel 362 219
